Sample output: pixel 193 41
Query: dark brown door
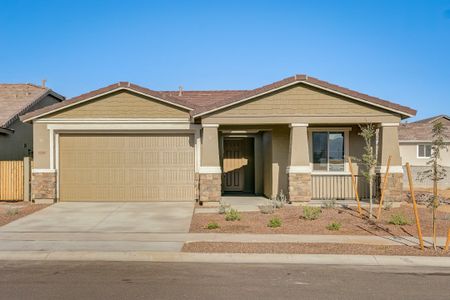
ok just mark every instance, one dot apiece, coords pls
pixel 233 164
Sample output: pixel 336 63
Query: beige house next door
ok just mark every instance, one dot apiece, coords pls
pixel 126 167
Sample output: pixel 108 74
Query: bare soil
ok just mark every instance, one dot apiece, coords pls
pixel 310 248
pixel 351 222
pixel 10 211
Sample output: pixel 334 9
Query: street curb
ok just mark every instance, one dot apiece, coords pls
pixel 233 258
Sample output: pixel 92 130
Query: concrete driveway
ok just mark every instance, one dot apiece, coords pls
pixel 156 217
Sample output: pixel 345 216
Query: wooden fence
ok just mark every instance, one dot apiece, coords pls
pixel 14 180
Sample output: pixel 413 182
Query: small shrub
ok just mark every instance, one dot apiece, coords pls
pixel 388 205
pixel 212 225
pixel 399 219
pixel 311 212
pixel 335 226
pixel 266 209
pixel 12 211
pixel 329 204
pixel 232 215
pixel 223 207
pixel 274 223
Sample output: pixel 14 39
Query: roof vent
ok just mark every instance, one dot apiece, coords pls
pixel 43 83
pixel 180 90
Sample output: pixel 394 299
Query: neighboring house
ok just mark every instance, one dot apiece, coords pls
pixel 415 148
pixel 16 138
pixel 124 142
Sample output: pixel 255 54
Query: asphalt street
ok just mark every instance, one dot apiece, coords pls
pixel 137 280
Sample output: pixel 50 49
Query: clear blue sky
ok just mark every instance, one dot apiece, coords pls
pixel 396 50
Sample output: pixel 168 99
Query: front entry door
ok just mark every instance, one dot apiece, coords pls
pixel 233 165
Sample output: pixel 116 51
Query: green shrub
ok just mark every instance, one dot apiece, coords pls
pixel 12 211
pixel 335 226
pixel 274 223
pixel 232 215
pixel 212 225
pixel 329 204
pixel 399 219
pixel 311 213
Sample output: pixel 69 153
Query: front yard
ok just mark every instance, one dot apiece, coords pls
pixel 293 222
pixel 10 211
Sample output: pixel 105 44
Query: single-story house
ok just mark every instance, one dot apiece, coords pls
pixel 415 148
pixel 124 142
pixel 16 137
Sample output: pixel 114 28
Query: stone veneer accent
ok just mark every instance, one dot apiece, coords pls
pixel 299 185
pixel 394 187
pixel 210 187
pixel 43 186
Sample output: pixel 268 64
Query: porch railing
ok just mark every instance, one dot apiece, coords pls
pixel 339 187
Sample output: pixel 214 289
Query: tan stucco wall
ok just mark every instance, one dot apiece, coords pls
pixel 388 145
pixel 408 153
pixel 267 163
pixel 41 140
pixel 210 156
pixel 20 144
pixel 300 103
pixel 280 152
pixel 122 104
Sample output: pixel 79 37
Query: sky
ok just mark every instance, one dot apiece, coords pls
pixel 397 50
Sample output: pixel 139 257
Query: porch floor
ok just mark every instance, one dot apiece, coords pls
pixel 241 203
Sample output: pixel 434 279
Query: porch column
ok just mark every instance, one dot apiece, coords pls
pixel 299 168
pixel 388 146
pixel 210 172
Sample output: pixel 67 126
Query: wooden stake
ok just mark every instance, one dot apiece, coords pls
pixel 447 243
pixel 416 213
pixel 384 187
pixel 355 188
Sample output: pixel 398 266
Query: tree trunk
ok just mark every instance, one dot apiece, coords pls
pixel 435 205
pixel 370 197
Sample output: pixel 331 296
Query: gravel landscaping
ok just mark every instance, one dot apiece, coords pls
pixel 10 211
pixel 309 248
pixel 348 218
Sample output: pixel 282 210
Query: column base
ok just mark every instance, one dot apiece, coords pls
pixel 210 188
pixel 394 187
pixel 43 187
pixel 299 185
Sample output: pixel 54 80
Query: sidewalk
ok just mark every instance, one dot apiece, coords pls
pixel 92 241
pixel 231 258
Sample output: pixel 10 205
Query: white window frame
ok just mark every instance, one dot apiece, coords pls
pixel 425 152
pixel 346 131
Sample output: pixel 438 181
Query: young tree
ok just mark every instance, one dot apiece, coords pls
pixel 369 159
pixel 435 172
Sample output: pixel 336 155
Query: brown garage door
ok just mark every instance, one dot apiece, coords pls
pixel 126 167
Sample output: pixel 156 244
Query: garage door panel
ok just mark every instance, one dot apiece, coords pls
pixel 126 168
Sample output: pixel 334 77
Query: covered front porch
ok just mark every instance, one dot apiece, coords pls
pixel 305 161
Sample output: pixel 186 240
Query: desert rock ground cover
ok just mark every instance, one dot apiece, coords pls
pixel 351 223
pixel 10 211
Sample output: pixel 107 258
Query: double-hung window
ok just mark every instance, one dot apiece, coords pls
pixel 328 151
pixel 424 151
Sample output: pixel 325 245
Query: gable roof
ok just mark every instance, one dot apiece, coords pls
pixel 200 103
pixel 16 99
pixel 422 130
pixel 311 81
pixel 432 119
pixel 104 91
